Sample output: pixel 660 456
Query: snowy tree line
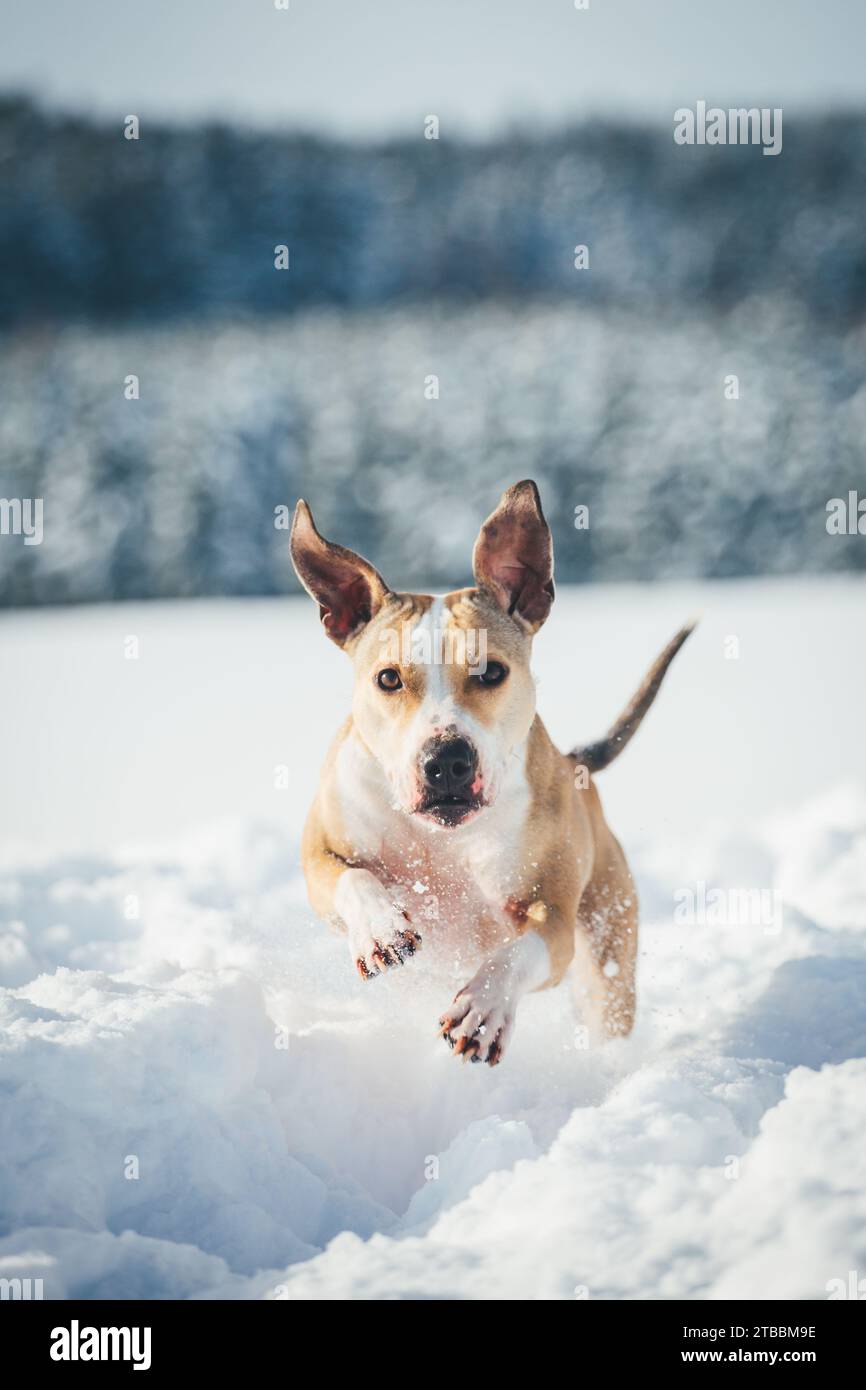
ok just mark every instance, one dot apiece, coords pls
pixel 184 221
pixel 697 395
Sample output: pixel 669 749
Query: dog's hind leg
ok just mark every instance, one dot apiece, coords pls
pixel 606 947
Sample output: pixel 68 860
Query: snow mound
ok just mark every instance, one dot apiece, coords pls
pixel 201 1100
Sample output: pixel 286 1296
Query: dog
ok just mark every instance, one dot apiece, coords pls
pixel 444 782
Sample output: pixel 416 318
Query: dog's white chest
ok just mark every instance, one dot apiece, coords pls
pixel 452 882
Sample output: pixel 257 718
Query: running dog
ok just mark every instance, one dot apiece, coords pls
pixel 444 781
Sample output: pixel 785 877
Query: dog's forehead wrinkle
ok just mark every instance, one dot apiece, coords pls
pixel 384 631
pixel 475 610
pixel 415 624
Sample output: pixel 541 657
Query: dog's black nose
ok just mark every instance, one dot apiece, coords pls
pixel 448 765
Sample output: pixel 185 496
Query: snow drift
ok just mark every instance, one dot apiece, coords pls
pixel 200 1099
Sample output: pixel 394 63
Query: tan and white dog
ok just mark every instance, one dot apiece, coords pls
pixel 444 781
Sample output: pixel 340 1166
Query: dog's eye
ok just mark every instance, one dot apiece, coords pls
pixel 494 674
pixel 389 679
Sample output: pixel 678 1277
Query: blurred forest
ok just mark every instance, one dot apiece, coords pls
pixel 412 260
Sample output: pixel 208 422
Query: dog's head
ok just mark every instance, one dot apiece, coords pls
pixel 443 691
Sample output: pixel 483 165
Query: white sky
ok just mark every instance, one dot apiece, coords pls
pixel 367 67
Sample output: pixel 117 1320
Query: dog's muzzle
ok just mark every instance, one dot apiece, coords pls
pixel 448 770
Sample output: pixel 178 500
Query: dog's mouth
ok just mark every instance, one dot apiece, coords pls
pixel 449 810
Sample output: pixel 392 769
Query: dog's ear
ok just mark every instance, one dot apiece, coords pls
pixel 347 589
pixel 513 556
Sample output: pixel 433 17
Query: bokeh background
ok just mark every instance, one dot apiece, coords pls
pixel 412 258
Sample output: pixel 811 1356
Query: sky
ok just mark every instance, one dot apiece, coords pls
pixel 366 68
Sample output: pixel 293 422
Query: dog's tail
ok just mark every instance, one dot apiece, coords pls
pixel 596 756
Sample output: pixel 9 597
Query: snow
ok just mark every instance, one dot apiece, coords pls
pixel 202 1100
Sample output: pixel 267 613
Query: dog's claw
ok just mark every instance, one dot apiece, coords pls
pixel 408 943
pixel 468 1048
pixel 475 1029
pixel 389 954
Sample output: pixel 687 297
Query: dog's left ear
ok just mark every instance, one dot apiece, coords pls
pixel 346 587
pixel 513 556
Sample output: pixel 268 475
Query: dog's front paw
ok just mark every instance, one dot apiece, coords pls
pixel 380 933
pixel 478 1024
pixel 480 1021
pixel 388 947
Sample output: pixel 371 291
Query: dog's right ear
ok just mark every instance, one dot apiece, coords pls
pixel 347 589
pixel 513 556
